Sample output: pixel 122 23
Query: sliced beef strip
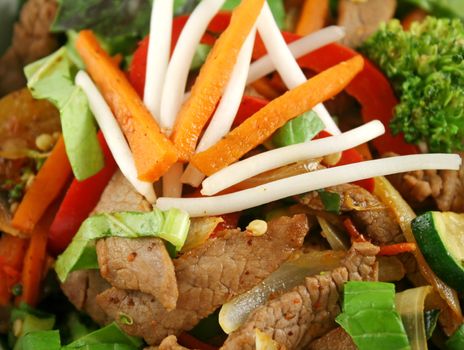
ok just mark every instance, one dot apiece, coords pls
pixel 81 288
pixel 362 18
pixel 120 195
pixel 295 318
pixel 139 264
pixel 444 187
pixel 336 339
pixel 371 216
pixel 170 343
pixel 31 40
pixel 207 277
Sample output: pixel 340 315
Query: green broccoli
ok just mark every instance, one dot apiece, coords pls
pixel 426 68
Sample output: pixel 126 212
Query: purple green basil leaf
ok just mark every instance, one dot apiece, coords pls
pixel 370 318
pixel 52 78
pixel 300 129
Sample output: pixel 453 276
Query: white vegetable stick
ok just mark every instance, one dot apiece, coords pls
pixel 159 47
pixel 114 136
pixel 298 184
pixel 177 73
pixel 285 63
pixel 278 157
pixel 222 120
pixel 298 48
pixel 172 185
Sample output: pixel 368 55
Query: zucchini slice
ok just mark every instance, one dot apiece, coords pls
pixel 440 236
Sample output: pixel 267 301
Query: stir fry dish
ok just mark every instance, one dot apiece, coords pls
pixel 231 174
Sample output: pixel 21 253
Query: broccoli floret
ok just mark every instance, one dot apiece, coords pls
pixel 426 68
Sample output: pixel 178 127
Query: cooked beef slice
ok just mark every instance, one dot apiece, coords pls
pixel 362 18
pixel 139 264
pixel 31 40
pixel 120 195
pixel 207 277
pixel 444 187
pixel 295 318
pixel 371 216
pixel 81 288
pixel 170 343
pixel 336 339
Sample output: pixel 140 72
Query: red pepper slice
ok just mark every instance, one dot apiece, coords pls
pixel 249 106
pixel 138 65
pixel 80 199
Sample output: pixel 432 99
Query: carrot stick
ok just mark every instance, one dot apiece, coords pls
pixel 47 185
pixel 355 235
pixel 153 152
pixel 395 249
pixel 313 16
pixel 213 77
pixel 256 129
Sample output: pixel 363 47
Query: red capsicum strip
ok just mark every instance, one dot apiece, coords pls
pixel 80 199
pixel 249 106
pixel 370 88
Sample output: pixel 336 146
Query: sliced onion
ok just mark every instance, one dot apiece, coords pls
pixel 336 239
pixel 404 215
pixel 199 231
pixel 290 274
pixel 264 341
pixel 298 184
pixel 114 136
pixel 410 306
pixel 286 155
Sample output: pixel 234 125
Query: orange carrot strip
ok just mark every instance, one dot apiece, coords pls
pixel 313 16
pixel 417 15
pixel 395 249
pixel 260 126
pixel 47 185
pixel 153 152
pixel 355 235
pixel 33 265
pixel 213 77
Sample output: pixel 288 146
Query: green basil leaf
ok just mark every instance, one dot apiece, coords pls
pixel 300 129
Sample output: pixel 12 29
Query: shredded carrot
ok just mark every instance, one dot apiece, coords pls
pixel 355 235
pixel 313 15
pixel 153 152
pixel 395 249
pixel 256 129
pixel 47 185
pixel 264 88
pixel 417 15
pixel 213 77
pixel 35 259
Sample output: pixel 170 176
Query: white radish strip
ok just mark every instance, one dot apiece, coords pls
pixel 285 63
pixel 172 185
pixel 222 120
pixel 178 69
pixel 114 136
pixel 278 157
pixel 159 47
pixel 298 48
pixel 299 184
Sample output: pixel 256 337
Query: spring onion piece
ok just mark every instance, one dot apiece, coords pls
pixel 286 64
pixel 171 225
pixel 290 274
pixel 110 334
pixel 114 136
pixel 298 130
pixel 159 49
pixel 52 78
pixel 410 306
pixel 298 184
pixel 330 200
pixel 181 59
pixel 298 48
pixel 223 117
pixel 39 340
pixel 456 341
pixel 336 240
pixel 276 158
pixel 369 316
